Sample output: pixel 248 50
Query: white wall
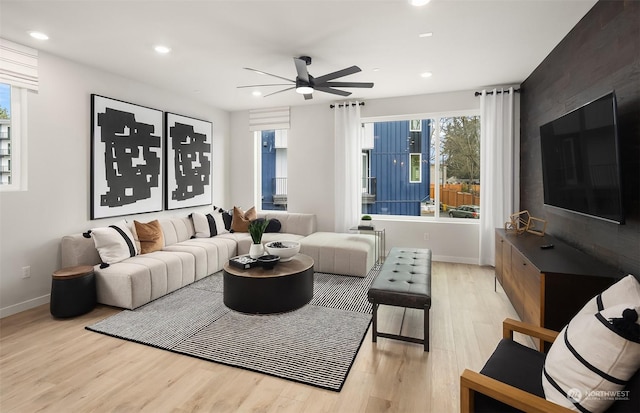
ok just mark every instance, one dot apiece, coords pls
pixel 311 179
pixel 57 200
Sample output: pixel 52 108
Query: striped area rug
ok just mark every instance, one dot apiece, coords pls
pixel 315 345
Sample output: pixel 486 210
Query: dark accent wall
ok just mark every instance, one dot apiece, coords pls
pixel 600 54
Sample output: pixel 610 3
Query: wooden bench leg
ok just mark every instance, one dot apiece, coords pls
pixel 374 330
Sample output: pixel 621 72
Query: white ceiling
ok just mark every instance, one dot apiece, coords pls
pixel 475 43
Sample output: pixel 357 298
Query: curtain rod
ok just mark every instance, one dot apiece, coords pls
pixel 497 91
pixel 346 104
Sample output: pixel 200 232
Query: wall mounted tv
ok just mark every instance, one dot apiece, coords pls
pixel 581 161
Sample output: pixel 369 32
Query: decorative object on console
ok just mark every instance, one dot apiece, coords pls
pixel 241 219
pixel 126 158
pixel 523 222
pixel 148 235
pixel 189 143
pixel 286 250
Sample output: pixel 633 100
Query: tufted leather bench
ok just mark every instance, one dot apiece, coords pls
pixel 404 281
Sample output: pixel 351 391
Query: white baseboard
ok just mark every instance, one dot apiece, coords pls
pixel 25 305
pixel 455 260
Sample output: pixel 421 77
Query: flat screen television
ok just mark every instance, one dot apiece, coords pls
pixel 581 161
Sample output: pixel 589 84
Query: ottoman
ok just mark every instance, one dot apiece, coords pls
pixel 339 253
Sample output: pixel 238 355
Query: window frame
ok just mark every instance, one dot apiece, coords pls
pixel 18 140
pixel 436 116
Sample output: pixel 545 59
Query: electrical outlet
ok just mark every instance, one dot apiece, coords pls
pixel 26 271
pixel 426 236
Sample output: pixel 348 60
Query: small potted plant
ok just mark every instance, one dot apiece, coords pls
pixel 256 229
pixel 366 221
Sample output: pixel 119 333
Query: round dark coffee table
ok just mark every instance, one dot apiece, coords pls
pixel 286 287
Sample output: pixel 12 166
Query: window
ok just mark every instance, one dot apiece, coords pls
pixel 13 128
pixel 422 167
pixel 272 167
pixel 5 134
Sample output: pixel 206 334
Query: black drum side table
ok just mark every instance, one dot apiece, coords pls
pixel 73 291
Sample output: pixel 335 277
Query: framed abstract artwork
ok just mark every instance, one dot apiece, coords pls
pixel 126 158
pixel 189 167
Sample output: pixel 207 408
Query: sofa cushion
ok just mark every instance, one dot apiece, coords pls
pixel 114 243
pixel 241 219
pixel 149 235
pixel 593 357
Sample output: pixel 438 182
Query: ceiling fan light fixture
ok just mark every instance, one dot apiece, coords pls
pixel 304 90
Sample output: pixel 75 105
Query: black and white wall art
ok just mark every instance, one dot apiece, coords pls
pixel 188 172
pixel 126 158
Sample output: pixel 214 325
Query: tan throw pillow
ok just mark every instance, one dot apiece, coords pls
pixel 241 219
pixel 150 236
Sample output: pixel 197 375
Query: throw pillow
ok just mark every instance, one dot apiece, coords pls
pixel 593 358
pixel 114 243
pixel 209 225
pixel 149 235
pixel 626 290
pixel 274 225
pixel 241 219
pixel 227 217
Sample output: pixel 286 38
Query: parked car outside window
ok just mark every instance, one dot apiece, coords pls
pixel 465 211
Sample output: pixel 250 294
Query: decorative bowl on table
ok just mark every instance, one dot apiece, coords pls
pixel 283 249
pixel 268 261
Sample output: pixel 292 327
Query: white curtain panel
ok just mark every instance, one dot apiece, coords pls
pixel 499 168
pixel 348 149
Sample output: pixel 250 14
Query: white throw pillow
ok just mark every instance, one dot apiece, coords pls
pixel 592 359
pixel 114 243
pixel 208 225
pixel 626 290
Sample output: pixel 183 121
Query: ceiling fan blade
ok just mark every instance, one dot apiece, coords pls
pixel 347 84
pixel 279 91
pixel 301 68
pixel 270 84
pixel 340 73
pixel 331 90
pixel 308 96
pixel 269 74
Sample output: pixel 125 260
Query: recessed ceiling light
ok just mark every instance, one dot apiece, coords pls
pixel 426 74
pixel 256 93
pixel 375 69
pixel 39 35
pixel 418 2
pixel 162 49
pixel 427 34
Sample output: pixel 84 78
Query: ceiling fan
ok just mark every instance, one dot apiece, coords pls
pixel 305 84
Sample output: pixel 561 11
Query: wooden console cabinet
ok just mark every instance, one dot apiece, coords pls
pixel 547 287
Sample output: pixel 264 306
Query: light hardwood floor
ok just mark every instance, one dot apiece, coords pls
pixel 49 365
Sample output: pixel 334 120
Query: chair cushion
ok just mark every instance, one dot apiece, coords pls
pixel 516 365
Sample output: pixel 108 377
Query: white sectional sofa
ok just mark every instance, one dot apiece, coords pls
pixel 183 259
